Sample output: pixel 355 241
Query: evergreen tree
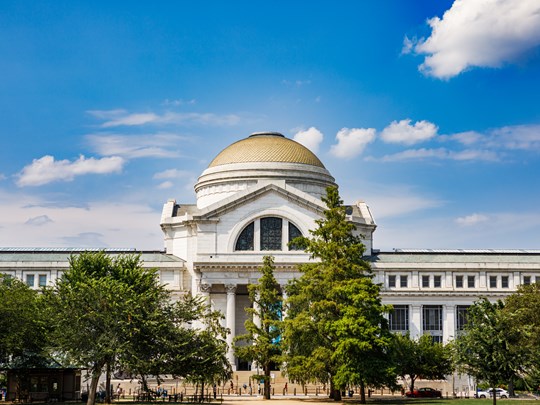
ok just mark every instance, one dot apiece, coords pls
pixel 262 342
pixel 335 330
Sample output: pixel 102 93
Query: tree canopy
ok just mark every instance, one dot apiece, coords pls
pixel 335 330
pixel 262 341
pixel 421 358
pixel 112 312
pixel 490 348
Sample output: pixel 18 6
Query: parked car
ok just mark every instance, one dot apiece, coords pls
pixel 499 392
pixel 424 392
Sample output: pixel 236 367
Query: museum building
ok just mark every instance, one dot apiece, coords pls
pixel 258 194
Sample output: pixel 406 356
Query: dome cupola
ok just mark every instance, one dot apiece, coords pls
pixel 262 157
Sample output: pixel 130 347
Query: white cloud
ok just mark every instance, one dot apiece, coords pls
pixel 522 137
pixel 478 33
pixel 351 142
pixel 119 118
pixel 46 170
pixel 172 174
pixel 310 138
pixel 440 153
pixel 161 145
pixel 39 220
pixel 97 224
pixel 165 185
pixel 405 133
pixel 472 219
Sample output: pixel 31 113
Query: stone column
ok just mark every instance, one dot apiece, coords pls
pixel 204 291
pixel 449 322
pixel 231 322
pixel 284 297
pixel 416 321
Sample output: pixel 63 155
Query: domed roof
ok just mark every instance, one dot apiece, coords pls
pixel 266 147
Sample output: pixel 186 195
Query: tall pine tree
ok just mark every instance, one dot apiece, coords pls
pixel 263 338
pixel 335 330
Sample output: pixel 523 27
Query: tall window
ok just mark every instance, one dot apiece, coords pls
pixel 425 281
pixel 526 280
pixel 504 282
pixel 432 321
pixel 492 281
pixel 271 233
pixel 42 281
pixel 269 236
pixel 391 281
pixel 30 280
pixel 437 281
pixel 459 281
pixel 399 319
pixel 461 317
pixel 403 281
pixel 470 281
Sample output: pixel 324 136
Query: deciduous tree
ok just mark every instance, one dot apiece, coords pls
pixel 490 349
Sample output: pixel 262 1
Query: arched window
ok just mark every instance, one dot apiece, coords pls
pixel 294 232
pixel 245 240
pixel 266 234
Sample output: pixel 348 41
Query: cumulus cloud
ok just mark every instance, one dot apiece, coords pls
pixel 161 145
pixel 478 33
pixel 471 220
pixel 119 118
pixel 351 142
pixel 39 220
pixel 440 153
pixel 96 224
pixel 405 133
pixel 172 174
pixel 165 185
pixel 311 138
pixel 47 170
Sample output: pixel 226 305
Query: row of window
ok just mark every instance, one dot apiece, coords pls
pixel 460 281
pixel 32 278
pixel 267 234
pixel 432 320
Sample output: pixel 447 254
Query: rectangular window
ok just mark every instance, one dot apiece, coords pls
pixel 399 319
pixel 432 317
pixel 459 281
pixel 526 280
pixel 271 229
pixel 403 281
pixel 461 317
pixel 492 281
pixel 30 280
pixel 42 280
pixel 425 281
pixel 391 281
pixel 470 281
pixel 504 282
pixel 437 281
pixel 432 321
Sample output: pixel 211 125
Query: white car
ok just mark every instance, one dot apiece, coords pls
pixel 488 393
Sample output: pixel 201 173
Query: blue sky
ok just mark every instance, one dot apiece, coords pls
pixel 427 110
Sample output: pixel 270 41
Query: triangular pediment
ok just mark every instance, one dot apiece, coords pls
pixel 244 197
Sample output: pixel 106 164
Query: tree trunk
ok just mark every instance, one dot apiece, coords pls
pixel 494 394
pixel 267 382
pixel 93 385
pixel 413 379
pixel 362 393
pixel 335 393
pixel 108 383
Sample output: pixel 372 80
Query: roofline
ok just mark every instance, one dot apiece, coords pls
pixel 502 252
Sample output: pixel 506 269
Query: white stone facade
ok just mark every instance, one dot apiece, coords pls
pixel 252 195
